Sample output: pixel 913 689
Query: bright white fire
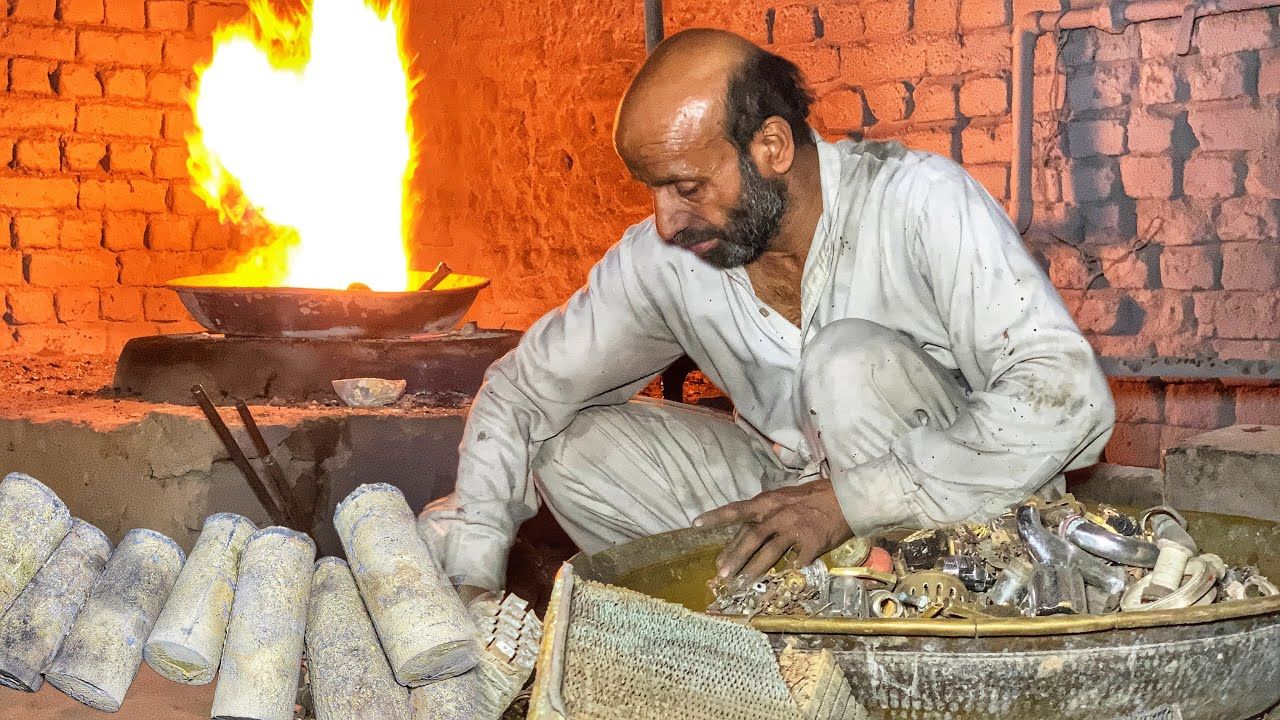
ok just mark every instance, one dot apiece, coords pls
pixel 302 126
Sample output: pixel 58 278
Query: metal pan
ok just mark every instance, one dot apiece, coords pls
pixel 221 305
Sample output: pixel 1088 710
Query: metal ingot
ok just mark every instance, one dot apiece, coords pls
pixel 369 392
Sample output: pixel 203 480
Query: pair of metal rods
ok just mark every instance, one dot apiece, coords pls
pixel 286 511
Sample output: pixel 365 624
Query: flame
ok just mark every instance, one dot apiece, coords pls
pixel 303 136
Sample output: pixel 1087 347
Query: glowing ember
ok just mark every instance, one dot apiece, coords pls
pixel 303 131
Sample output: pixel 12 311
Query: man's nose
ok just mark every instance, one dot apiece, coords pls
pixel 668 216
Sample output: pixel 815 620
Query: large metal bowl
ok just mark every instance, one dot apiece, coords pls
pixel 222 305
pixel 1217 662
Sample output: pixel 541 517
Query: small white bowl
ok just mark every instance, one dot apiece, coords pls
pixel 369 392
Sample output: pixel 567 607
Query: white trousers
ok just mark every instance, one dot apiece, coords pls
pixel 627 471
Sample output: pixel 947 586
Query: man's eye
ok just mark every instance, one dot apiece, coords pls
pixel 688 189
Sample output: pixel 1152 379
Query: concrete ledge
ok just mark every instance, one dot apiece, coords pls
pixel 1234 470
pixel 1136 487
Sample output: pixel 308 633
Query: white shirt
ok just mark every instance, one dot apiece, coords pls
pixel 907 240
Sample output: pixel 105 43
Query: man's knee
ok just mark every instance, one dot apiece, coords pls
pixel 561 457
pixel 843 354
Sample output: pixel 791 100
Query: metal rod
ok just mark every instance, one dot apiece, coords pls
pixel 278 515
pixel 292 505
pixel 653 30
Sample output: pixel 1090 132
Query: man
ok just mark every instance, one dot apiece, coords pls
pixel 893 354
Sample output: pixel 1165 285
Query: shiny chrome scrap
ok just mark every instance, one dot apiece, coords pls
pixel 1039 558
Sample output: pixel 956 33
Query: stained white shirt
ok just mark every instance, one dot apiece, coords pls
pixel 907 240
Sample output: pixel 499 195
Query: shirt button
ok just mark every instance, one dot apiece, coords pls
pixel 764 312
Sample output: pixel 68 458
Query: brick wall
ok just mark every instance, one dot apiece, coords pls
pixel 95 206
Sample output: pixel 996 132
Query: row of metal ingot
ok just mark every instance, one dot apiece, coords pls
pixel 383 636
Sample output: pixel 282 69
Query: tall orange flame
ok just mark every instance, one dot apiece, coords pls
pixel 303 132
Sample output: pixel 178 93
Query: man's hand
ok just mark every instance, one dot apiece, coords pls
pixel 805 517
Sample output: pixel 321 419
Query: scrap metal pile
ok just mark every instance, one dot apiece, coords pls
pixel 1040 558
pixel 384 636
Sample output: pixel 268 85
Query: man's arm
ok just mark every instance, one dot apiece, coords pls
pixel 600 348
pixel 1040 403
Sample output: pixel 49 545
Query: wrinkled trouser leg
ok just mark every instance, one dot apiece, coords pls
pixel 862 385
pixel 626 471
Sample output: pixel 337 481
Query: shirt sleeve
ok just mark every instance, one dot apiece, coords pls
pixel 1040 403
pixel 599 348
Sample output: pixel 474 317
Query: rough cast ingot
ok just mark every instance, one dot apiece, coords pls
pixel 101 655
pixel 350 677
pixel 186 643
pixel 423 625
pixel 262 657
pixel 32 523
pixel 35 625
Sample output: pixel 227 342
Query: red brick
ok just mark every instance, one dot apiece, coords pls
pixel 1217 78
pixel 984 143
pixel 975 14
pixel 119 333
pixel 1258 405
pixel 167 14
pixel 77 303
pixel 1096 137
pixel 791 24
pixel 1149 134
pixel 1147 177
pixel 122 303
pixel 31 76
pixel 934 141
pixel 120 120
pixel 1173 436
pixel 1250 266
pixel 28 305
pixel 841 23
pixel 1067 268
pixel 881 60
pixel 160 304
pixel 1099 87
pixel 40 155
pixel 77 81
pixel 1167 314
pixel 123 48
pixel 178 123
pixel 1189 267
pixel 168 88
pixel 934 100
pixel 125 83
pixel 82 267
pixel 36 193
pixel 149 267
pixel 129 157
pixel 1137 401
pixel 994 177
pixel 85 155
pixel 1245 349
pixel 1136 444
pixel 36 231
pixel 1239 314
pixel 1210 176
pixel 818 63
pixel 53 43
pixel 11 268
pixel 211 234
pixel 944 55
pixel 1157 83
pixel 81 338
pixel 187 52
pixel 78 233
pixel 1235 125
pixel 1198 405
pixel 1123 267
pixel 82 12
pixel 125 231
pixel 170 232
pixel 186 202
pixel 936 16
pixel 986 51
pixel 887 101
pixel 1092 180
pixel 1264 173
pixel 26 113
pixel 1232 32
pixel 1248 218
pixel 1119 46
pixel 207 17
pixel 1094 311
pixel 1269 71
pixel 841 110
pixel 133 194
pixel 1159 38
pixel 887 19
pixel 39 10
pixel 984 97
pixel 171 162
pixel 130 14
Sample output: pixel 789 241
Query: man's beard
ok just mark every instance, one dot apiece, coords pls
pixel 752 224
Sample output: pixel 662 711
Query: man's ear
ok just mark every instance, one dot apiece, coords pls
pixel 773 147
